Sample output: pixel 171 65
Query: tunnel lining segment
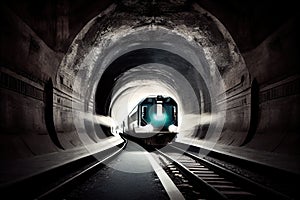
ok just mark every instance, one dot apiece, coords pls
pixel 140 57
pixel 207 46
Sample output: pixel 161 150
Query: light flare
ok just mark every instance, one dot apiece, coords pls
pixel 192 121
pixel 100 119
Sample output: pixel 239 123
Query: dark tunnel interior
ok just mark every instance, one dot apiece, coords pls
pixel 72 71
pixel 137 58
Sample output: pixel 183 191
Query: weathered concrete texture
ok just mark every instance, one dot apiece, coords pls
pixel 262 116
pixel 276 57
pixel 26 58
pixel 23 129
pixel 237 123
pixel 119 20
pixel 278 125
pixel 274 64
pixel 250 23
pixel 23 51
pixel 63 120
pixel 26 62
pixel 90 52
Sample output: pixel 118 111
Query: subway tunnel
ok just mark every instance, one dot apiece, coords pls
pixel 71 71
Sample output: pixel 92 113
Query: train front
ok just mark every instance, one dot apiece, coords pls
pixel 157 120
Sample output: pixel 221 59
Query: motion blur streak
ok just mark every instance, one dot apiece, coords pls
pixel 191 121
pixel 100 119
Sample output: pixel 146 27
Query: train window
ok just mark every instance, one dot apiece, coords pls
pixel 144 111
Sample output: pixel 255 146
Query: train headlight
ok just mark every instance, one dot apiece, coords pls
pixel 172 128
pixel 158 120
pixel 159 117
pixel 148 128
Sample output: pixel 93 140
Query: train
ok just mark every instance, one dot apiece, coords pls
pixel 153 121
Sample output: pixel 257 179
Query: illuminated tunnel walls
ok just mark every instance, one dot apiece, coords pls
pixel 203 52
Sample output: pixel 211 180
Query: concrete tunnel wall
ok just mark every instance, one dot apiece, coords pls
pixel 28 63
pixel 274 65
pixel 23 74
pixel 219 52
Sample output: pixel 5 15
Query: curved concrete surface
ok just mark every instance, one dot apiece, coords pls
pixel 240 72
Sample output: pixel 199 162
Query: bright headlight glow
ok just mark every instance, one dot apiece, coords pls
pixel 159 117
pixel 172 128
pixel 158 120
pixel 149 128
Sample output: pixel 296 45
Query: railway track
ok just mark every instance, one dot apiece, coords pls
pixel 194 177
pixel 54 192
pixel 50 184
pixel 207 180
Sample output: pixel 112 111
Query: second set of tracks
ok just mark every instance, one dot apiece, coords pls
pixel 194 176
pixel 198 178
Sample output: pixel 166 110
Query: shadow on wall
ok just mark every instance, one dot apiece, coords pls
pixel 254 111
pixel 49 113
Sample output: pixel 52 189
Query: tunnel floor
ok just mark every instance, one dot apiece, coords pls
pixel 113 182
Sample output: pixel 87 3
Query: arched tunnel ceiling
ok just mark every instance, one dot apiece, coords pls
pixel 192 23
pixel 249 22
pixel 262 104
pixel 149 80
pixel 140 57
pixel 212 27
pixel 180 35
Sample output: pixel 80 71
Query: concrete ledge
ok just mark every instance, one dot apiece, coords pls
pixel 12 171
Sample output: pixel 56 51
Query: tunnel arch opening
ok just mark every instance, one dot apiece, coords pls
pixel 143 56
pixel 140 57
pixel 151 79
pixel 211 54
